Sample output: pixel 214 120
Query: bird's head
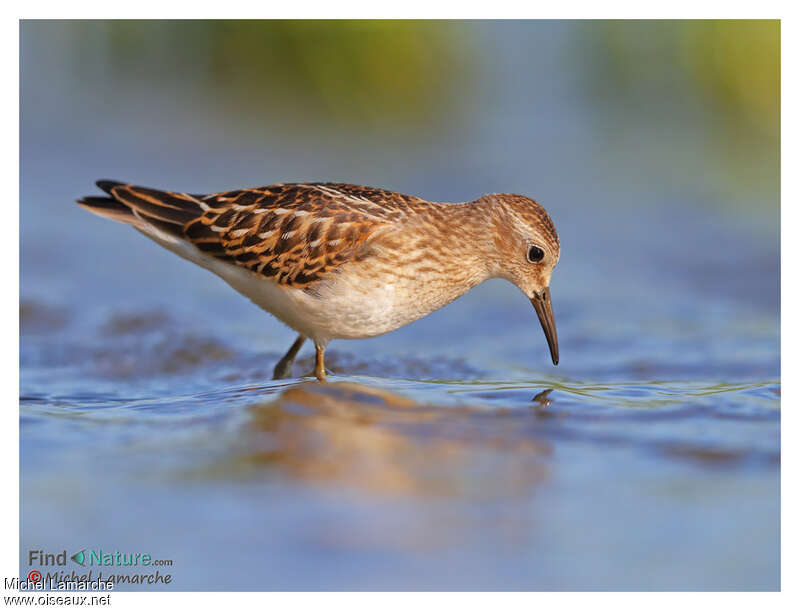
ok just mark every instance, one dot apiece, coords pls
pixel 526 251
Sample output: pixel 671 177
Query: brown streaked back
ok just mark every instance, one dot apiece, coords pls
pixel 294 233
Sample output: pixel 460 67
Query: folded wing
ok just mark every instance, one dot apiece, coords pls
pixel 295 234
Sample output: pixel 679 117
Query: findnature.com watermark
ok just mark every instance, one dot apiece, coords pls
pixel 94 557
pixel 103 566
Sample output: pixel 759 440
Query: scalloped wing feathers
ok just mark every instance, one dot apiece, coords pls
pixel 295 234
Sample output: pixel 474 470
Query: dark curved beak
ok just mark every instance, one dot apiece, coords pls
pixel 544 310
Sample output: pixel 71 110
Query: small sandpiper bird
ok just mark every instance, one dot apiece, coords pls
pixel 337 260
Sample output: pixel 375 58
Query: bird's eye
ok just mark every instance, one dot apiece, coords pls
pixel 535 254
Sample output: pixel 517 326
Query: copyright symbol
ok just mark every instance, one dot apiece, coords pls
pixel 34 576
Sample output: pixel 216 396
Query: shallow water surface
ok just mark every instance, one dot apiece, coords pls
pixel 404 472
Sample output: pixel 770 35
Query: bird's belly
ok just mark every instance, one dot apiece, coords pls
pixel 344 306
pixel 352 308
pixel 351 305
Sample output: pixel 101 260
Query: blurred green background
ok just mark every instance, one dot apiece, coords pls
pixel 414 80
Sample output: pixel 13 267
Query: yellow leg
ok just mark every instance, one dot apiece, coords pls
pixel 319 367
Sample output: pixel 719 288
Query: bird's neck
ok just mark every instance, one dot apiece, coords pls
pixel 461 244
pixel 434 258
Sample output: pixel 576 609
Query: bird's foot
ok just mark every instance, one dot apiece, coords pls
pixel 325 374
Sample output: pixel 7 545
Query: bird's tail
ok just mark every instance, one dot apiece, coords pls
pixel 145 208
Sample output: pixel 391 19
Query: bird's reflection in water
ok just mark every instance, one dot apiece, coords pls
pixel 381 443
